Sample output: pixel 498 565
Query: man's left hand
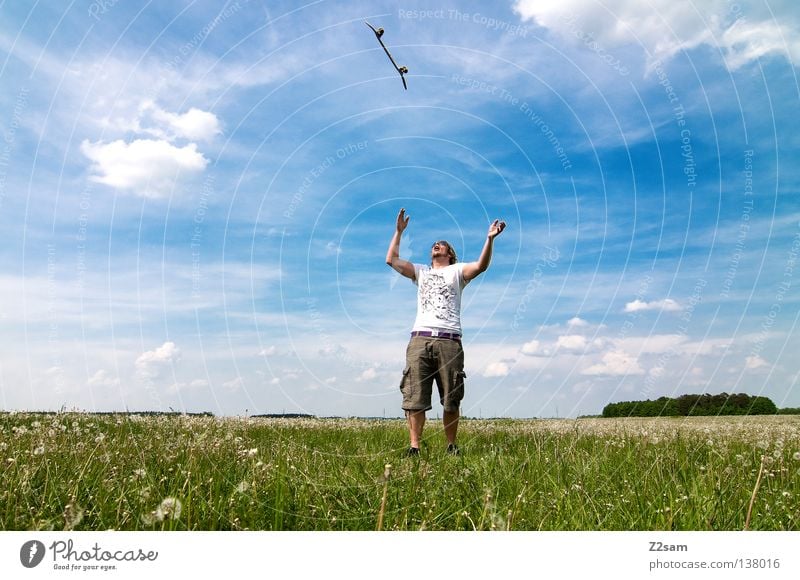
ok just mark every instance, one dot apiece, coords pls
pixel 496 228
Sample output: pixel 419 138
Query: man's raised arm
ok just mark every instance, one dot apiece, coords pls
pixel 473 269
pixel 393 254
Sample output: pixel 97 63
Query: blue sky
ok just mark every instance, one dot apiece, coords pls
pixel 196 200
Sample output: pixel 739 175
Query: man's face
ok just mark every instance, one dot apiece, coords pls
pixel 439 249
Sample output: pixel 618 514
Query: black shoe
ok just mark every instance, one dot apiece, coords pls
pixel 412 451
pixel 452 449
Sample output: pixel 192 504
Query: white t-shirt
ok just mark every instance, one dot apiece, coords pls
pixel 439 297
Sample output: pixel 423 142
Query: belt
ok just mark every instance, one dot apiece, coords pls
pixel 435 334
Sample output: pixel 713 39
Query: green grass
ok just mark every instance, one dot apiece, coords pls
pixel 98 472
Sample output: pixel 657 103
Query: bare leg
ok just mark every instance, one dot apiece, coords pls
pixel 450 419
pixel 416 421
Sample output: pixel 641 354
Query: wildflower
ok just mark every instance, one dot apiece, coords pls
pixel 796 456
pixel 99 439
pixel 242 487
pixel 39 450
pixel 73 514
pixel 168 509
pixel 252 452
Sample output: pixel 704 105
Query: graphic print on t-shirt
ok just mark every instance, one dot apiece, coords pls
pixel 437 297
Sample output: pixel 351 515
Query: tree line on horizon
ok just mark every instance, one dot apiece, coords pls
pixel 697 405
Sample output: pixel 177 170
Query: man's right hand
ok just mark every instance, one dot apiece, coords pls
pixel 402 221
pixel 393 255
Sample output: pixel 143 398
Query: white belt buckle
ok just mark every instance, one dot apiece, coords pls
pixel 434 333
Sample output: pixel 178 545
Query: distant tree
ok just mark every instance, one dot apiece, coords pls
pixel 695 405
pixel 762 406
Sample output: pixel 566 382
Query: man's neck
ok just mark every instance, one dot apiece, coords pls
pixel 440 263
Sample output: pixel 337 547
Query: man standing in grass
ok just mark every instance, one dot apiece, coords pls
pixel 434 351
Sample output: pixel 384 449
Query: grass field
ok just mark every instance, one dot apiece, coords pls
pixel 127 472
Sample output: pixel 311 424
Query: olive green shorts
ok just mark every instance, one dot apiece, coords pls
pixel 433 359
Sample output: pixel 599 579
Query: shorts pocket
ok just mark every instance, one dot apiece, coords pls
pixel 405 379
pixel 456 392
pixel 459 384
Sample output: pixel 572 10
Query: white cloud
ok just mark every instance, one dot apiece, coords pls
pixel 664 28
pixel 151 363
pixel 653 344
pixel 150 119
pixel 183 386
pixel 615 363
pixel 145 167
pixel 234 384
pixel 744 42
pixel 577 322
pixel 103 379
pixel 533 347
pixel 332 249
pixel 195 125
pixel 267 351
pixel 708 346
pixel 665 305
pixel 368 374
pixel 696 378
pixel 754 362
pixel 496 369
pixel 572 342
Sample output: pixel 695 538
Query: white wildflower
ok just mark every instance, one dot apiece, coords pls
pixel 168 509
pixel 73 514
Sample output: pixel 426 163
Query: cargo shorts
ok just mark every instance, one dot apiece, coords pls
pixel 430 359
